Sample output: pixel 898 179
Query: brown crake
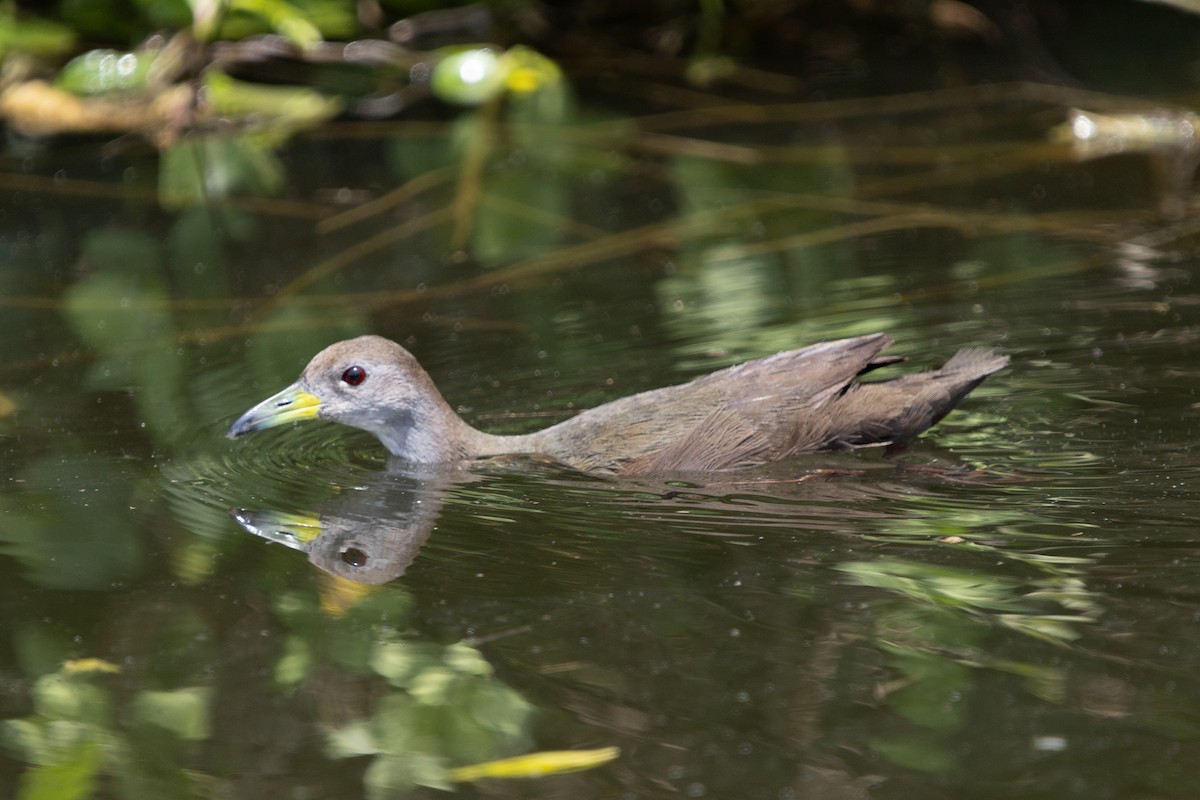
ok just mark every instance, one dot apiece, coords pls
pixel 785 405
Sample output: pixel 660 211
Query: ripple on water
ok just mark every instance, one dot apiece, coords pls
pixel 290 469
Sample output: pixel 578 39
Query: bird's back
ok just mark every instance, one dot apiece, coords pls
pixel 749 414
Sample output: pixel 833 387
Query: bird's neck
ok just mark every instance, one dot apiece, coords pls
pixel 434 434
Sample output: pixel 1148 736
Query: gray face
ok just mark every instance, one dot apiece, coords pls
pixel 368 383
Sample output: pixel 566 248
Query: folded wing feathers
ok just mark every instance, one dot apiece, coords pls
pixel 792 403
pixel 827 412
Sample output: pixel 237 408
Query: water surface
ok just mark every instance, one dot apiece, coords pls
pixel 1006 610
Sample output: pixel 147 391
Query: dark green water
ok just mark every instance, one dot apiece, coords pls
pixel 1009 609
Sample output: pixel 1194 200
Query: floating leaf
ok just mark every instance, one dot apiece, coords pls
pixel 535 765
pixel 80 666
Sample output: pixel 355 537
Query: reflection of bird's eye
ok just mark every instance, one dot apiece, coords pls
pixel 354 376
pixel 353 556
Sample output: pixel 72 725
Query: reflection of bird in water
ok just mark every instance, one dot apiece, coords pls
pixel 369 534
pixel 372 533
pixel 797 402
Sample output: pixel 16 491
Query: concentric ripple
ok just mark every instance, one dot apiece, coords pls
pixel 290 469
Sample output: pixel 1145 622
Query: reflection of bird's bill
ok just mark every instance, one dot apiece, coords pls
pixel 297 531
pixel 293 404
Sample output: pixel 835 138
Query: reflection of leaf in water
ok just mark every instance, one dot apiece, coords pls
pixel 939 585
pixel 933 691
pixel 917 750
pixel 933 633
pixel 389 774
pixel 445 706
pixel 202 169
pixel 432 704
pixel 120 310
pixel 523 215
pixel 77 734
pixel 1048 683
pixel 415 153
pixel 69 527
pixel 60 696
pixel 71 777
pixel 183 712
pixel 1052 629
pixel 982 593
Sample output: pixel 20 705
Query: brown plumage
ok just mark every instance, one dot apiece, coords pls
pixel 788 404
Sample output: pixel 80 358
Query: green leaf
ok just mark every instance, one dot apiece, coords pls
pixel 37 37
pixel 100 71
pixel 468 76
pixel 527 71
pixel 280 110
pixel 173 14
pixel 280 16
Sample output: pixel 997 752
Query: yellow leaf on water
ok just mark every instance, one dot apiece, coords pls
pixel 7 406
pixel 534 765
pixel 80 666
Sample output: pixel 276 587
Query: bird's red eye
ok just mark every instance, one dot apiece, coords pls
pixel 354 376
